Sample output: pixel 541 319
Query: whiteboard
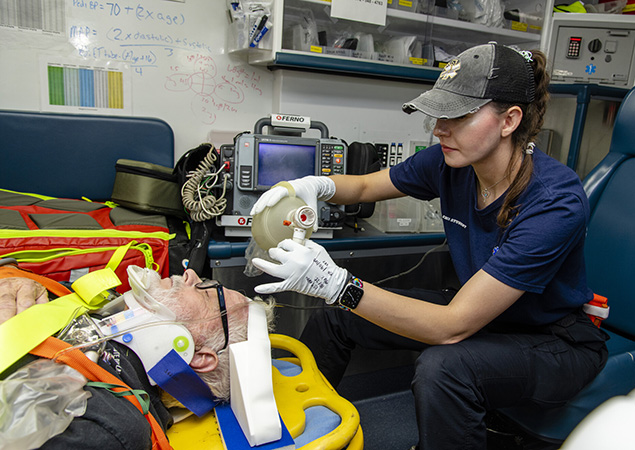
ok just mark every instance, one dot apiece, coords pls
pixel 168 58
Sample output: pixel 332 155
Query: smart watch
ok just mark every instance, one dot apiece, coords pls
pixel 351 294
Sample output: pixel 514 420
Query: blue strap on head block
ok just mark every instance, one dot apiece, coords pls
pixel 178 379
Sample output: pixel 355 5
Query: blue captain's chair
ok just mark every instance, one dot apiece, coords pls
pixel 610 258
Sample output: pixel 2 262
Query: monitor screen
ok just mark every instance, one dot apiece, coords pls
pixel 282 162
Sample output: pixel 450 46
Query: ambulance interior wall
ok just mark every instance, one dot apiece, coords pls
pixel 596 137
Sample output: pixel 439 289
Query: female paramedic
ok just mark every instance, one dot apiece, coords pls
pixel 515 221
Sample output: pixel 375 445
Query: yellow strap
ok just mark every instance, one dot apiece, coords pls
pixel 91 287
pixel 39 256
pixel 107 232
pixel 41 197
pixel 118 256
pixel 25 331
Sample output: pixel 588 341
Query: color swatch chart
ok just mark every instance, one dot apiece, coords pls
pixel 85 87
pixel 44 15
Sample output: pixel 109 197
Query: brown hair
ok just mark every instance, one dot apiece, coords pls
pixel 530 125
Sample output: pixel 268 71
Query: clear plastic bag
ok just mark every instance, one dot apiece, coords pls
pixel 300 29
pixel 38 402
pixel 485 12
pixel 402 48
pixel 254 251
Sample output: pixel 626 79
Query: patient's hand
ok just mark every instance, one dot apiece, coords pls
pixel 18 294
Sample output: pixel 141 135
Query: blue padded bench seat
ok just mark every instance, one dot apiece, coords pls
pixel 73 155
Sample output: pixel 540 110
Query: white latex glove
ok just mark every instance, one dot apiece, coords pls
pixel 307 269
pixel 310 189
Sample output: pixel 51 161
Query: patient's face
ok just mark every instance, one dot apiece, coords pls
pixel 199 308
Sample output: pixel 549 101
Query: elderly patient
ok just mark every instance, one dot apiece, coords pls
pixel 113 422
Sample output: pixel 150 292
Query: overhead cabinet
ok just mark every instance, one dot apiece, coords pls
pixel 416 41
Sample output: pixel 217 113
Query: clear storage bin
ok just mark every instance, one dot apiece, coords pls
pixel 431 220
pixel 407 5
pixel 399 215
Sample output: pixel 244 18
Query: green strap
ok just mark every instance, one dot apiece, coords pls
pixel 142 396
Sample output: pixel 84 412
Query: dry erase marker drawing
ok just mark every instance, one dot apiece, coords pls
pixel 214 93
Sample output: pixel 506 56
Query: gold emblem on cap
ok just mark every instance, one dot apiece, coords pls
pixel 450 70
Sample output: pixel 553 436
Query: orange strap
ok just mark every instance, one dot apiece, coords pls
pixel 78 361
pixel 10 271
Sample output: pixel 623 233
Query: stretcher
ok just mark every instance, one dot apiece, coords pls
pixel 315 414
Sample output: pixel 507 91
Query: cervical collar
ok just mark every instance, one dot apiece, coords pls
pixel 252 399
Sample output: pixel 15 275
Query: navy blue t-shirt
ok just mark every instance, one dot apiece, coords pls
pixel 540 252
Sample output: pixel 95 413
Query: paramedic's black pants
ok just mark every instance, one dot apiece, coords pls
pixel 455 385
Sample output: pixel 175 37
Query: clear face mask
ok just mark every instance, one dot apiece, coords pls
pixel 140 282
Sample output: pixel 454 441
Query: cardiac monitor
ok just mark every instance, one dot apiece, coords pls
pixel 256 162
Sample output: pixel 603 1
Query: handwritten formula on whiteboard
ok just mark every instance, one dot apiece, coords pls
pixel 147 58
pixel 167 45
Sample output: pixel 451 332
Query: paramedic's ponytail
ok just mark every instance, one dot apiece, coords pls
pixel 523 137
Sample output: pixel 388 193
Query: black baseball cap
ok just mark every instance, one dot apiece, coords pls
pixel 479 75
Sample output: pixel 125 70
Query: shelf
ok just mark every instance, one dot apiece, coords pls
pixel 352 66
pixel 345 239
pixel 401 22
pixel 398 23
pixel 457 30
pixel 610 92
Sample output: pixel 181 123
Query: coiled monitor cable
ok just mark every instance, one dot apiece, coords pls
pixel 198 190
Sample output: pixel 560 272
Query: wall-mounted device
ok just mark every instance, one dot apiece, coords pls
pixel 592 49
pixel 382 151
pixel 258 161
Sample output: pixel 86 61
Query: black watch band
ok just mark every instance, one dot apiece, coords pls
pixel 351 294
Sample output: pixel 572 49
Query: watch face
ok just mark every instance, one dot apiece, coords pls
pixel 351 296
